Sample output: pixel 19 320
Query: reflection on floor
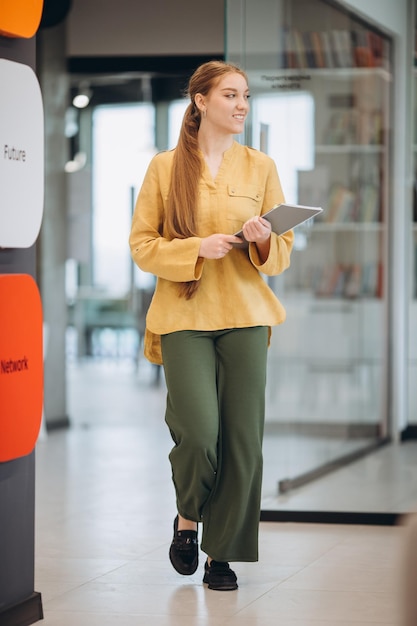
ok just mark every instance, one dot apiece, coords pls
pixel 105 506
pixel 382 482
pixel 291 456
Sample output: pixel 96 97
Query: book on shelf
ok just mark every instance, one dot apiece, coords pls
pixel 341 204
pixel 354 126
pixel 372 279
pixel 342 48
pixel 334 48
pixel 302 59
pixel 332 281
pixel 370 127
pixel 353 284
pixel 368 203
pixel 340 279
pixel 380 52
pixel 341 128
pixel 312 61
pixel 380 280
pixel 361 204
pixel 348 280
pixel 290 56
pixel 324 36
pixel 370 49
pixel 317 48
pixel 361 50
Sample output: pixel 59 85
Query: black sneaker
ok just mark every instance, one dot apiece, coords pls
pixel 183 552
pixel 219 576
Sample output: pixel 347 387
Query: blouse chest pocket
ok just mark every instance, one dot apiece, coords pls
pixel 244 201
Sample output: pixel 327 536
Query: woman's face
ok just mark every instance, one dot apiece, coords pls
pixel 227 104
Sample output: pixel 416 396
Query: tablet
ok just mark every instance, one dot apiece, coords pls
pixel 284 217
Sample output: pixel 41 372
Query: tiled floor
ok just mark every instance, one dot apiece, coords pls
pixel 105 506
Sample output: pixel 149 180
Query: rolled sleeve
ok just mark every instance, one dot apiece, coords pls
pixel 279 254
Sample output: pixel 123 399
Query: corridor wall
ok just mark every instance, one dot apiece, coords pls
pixel 21 375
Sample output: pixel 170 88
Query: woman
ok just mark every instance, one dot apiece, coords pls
pixel 210 317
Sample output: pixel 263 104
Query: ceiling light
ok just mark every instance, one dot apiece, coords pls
pixel 83 97
pixel 77 163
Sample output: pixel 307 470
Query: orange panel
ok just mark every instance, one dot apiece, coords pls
pixel 21 365
pixel 20 18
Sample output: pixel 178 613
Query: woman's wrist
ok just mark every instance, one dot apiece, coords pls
pixel 263 248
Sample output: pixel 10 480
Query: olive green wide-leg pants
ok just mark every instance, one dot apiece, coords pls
pixel 215 413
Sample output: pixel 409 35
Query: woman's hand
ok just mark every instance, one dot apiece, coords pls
pixel 257 229
pixel 217 246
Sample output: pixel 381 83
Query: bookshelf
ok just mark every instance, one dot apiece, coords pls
pixel 345 251
pixel 321 85
pixel 337 278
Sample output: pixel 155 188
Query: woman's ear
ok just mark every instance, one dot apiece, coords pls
pixel 200 102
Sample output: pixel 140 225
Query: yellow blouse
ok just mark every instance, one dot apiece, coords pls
pixel 232 292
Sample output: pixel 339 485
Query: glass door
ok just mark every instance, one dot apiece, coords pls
pixel 321 84
pixel 412 364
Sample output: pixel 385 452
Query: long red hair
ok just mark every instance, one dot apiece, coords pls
pixel 187 163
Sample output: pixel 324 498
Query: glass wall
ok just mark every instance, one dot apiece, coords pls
pixel 123 145
pixel 321 85
pixel 107 307
pixel 412 369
